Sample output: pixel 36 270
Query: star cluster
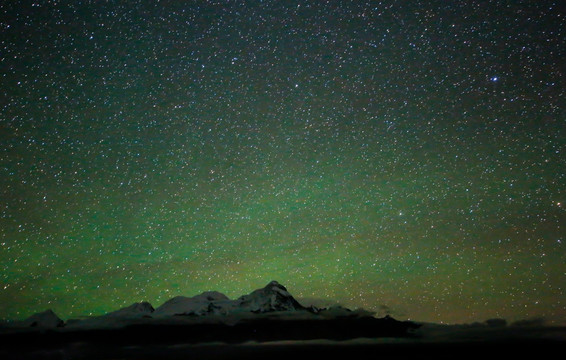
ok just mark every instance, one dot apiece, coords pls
pixel 405 157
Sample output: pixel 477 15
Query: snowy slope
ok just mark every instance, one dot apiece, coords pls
pixel 207 303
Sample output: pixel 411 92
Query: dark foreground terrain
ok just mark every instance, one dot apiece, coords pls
pixel 270 339
pixel 299 350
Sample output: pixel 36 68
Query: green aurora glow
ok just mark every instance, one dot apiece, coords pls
pixel 387 155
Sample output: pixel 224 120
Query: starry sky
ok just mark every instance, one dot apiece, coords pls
pixel 406 157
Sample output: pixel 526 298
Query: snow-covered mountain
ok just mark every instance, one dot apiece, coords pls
pixel 273 297
pixel 135 310
pixel 272 302
pixel 45 319
pixel 207 303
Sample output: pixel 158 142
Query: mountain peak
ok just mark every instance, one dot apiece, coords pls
pixel 272 297
pixel 210 296
pixel 47 319
pixel 135 310
pixel 275 283
pixel 275 287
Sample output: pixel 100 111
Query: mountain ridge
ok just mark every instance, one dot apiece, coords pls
pixel 270 300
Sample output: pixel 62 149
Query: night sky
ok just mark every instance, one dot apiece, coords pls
pixel 407 157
